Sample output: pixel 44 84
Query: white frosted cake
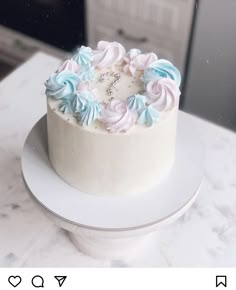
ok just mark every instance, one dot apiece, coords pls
pixel 112 119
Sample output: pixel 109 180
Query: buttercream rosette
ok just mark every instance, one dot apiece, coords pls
pixel 61 85
pixel 83 57
pixel 162 68
pixel 86 108
pixel 163 94
pixel 117 118
pixel 148 116
pixel 136 102
pixel 108 54
pixel 70 65
pixel 135 60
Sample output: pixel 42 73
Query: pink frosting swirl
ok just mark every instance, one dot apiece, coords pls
pixel 70 65
pixel 138 61
pixel 117 118
pixel 163 94
pixel 108 54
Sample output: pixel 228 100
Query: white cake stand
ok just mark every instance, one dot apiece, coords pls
pixel 106 227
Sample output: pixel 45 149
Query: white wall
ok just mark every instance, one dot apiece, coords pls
pixel 211 87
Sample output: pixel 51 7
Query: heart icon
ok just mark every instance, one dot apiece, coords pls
pixel 14 280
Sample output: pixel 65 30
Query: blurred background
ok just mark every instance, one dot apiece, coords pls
pixel 197 36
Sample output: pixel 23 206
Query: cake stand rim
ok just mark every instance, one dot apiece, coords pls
pixel 159 221
pixel 184 208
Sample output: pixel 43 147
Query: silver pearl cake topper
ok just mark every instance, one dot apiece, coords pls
pixel 113 84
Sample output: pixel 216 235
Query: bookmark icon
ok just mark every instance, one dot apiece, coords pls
pixel 60 279
pixel 221 281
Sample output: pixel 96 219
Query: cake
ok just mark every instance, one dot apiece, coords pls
pixel 111 119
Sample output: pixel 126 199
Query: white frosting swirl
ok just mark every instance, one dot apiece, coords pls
pixel 70 65
pixel 163 94
pixel 135 60
pixel 108 54
pixel 117 118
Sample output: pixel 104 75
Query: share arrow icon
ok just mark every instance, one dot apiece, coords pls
pixel 60 279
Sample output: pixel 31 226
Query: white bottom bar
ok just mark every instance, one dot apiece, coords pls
pixel 116 279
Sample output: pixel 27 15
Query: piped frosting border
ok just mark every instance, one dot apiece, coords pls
pixel 71 85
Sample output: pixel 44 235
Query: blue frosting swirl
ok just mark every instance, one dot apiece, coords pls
pixel 148 116
pixel 86 109
pixel 89 114
pixel 80 101
pixel 61 85
pixel 65 105
pixel 161 68
pixel 83 56
pixel 136 102
pixel 86 74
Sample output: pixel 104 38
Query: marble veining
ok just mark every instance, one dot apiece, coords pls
pixel 204 237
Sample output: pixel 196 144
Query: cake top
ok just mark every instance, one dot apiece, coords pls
pixel 114 88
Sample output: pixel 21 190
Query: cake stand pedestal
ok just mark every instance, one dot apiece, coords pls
pixel 114 227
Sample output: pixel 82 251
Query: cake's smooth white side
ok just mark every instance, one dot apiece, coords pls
pixel 97 162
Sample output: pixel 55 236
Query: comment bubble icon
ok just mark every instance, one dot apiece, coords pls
pixel 37 281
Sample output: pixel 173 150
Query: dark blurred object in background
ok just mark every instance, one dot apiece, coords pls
pixel 211 87
pixel 57 22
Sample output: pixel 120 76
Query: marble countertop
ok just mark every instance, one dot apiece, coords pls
pixel 203 237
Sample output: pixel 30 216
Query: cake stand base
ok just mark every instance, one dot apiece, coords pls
pixel 114 227
pixel 110 248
